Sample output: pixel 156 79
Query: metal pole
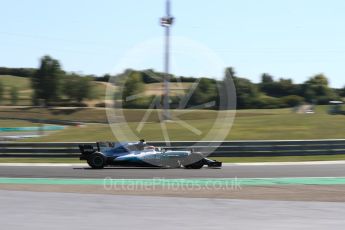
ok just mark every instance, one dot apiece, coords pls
pixel 166 22
pixel 166 76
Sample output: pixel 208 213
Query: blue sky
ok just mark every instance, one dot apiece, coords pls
pixel 291 39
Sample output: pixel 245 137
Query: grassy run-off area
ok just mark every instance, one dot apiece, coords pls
pixel 265 124
pixel 15 123
pixel 275 124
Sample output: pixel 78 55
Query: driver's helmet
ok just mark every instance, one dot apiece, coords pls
pixel 142 141
pixel 141 144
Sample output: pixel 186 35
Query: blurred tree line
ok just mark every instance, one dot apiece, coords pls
pixel 269 93
pixel 281 93
pixel 53 86
pixel 19 72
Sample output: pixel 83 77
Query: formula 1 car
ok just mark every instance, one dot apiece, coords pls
pixel 142 155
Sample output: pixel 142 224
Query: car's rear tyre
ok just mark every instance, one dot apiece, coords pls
pixel 96 161
pixel 195 165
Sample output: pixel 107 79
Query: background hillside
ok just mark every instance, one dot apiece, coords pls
pixel 50 85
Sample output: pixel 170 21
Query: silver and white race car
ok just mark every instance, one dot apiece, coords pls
pixel 140 154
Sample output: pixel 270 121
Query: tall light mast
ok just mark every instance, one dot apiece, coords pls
pixel 166 22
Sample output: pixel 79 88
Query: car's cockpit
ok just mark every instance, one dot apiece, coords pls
pixel 120 148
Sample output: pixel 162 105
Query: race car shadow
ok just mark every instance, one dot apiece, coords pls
pixel 110 168
pixel 156 168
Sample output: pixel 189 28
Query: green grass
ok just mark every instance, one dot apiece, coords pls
pixel 16 123
pixel 91 133
pixel 288 125
pixel 21 83
pixel 276 124
pixel 71 114
pixel 175 88
pixel 98 115
pixel 25 91
pixel 99 90
pixel 248 124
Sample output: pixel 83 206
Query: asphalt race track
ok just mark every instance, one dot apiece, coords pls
pixel 70 206
pixel 247 171
pixel 82 211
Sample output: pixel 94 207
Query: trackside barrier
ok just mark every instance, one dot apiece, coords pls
pixel 224 149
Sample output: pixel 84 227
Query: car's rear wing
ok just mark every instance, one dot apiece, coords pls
pixel 87 149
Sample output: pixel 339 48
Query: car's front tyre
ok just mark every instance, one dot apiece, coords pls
pixel 96 161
